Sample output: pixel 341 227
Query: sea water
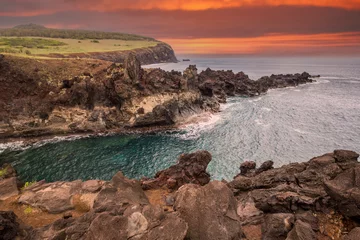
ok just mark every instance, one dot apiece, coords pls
pixel 285 125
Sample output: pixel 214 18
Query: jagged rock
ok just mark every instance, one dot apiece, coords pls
pixel 353 234
pixel 91 186
pixel 8 188
pixel 133 67
pixel 345 190
pixel 191 168
pixel 119 191
pixel 265 166
pixel 246 167
pixel 309 218
pixel 210 211
pixel 277 226
pixel 301 231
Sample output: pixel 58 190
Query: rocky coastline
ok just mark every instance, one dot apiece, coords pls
pixel 49 97
pixel 318 199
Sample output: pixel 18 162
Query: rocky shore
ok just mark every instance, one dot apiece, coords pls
pixel 318 199
pixel 40 97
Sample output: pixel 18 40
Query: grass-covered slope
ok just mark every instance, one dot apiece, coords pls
pixel 39 41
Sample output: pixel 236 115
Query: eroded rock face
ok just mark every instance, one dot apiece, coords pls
pixel 191 168
pixel 210 211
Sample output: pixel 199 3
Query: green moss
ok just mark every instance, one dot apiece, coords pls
pixel 3 172
pixel 28 210
pixel 28 184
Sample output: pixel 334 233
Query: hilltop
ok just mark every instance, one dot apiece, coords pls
pixel 33 40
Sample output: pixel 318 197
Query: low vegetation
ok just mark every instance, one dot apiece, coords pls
pixel 28 210
pixel 33 30
pixel 3 172
pixel 28 184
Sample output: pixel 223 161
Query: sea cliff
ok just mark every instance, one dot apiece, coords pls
pixel 44 97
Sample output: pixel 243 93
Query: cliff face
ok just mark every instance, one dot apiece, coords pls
pixel 59 96
pixel 318 199
pixel 161 53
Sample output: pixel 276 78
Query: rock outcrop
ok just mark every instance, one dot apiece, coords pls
pixel 97 96
pixel 299 201
pixel 210 211
pixel 191 168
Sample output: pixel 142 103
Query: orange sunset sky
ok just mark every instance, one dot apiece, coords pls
pixel 251 27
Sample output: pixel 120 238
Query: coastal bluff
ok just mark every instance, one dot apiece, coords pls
pixel 318 199
pixel 44 97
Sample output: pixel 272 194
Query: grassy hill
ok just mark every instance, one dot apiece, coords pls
pixel 38 40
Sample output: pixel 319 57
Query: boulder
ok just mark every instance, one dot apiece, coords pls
pixel 51 197
pixel 191 168
pixel 345 190
pixel 9 227
pixel 247 166
pixel 133 68
pixel 210 211
pixel 265 166
pixel 301 231
pixel 8 188
pixel 277 226
pixel 119 191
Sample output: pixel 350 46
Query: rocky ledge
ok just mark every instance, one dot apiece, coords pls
pixel 49 96
pixel 318 199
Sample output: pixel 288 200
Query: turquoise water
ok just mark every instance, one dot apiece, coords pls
pixel 285 125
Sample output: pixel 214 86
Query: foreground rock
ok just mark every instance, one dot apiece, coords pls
pixel 310 200
pixel 191 168
pixel 210 211
pixel 37 98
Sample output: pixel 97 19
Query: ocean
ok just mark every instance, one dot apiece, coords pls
pixel 285 125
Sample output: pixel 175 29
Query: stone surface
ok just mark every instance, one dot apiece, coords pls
pixel 8 188
pixel 354 234
pixel 277 226
pixel 9 227
pixel 210 211
pixel 301 231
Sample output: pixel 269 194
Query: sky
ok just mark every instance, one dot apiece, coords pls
pixel 249 27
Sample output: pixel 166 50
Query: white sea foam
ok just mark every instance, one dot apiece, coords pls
pixel 198 125
pixel 22 145
pixel 300 131
pixel 266 109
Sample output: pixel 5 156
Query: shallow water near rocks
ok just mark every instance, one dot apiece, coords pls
pixel 285 125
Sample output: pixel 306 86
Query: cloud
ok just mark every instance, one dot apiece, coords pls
pixel 220 23
pixel 39 7
pixel 314 44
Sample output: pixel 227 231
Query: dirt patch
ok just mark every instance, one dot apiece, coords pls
pixel 30 216
pixel 158 197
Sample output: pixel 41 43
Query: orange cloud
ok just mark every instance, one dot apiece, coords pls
pixel 110 5
pixel 272 44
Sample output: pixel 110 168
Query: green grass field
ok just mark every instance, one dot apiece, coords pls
pixel 45 46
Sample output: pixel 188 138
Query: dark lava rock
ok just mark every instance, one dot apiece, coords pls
pixel 277 226
pixel 191 168
pixel 301 231
pixel 246 167
pixel 265 166
pixel 353 234
pixel 9 227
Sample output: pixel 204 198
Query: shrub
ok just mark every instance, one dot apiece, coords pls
pixel 27 52
pixel 95 41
